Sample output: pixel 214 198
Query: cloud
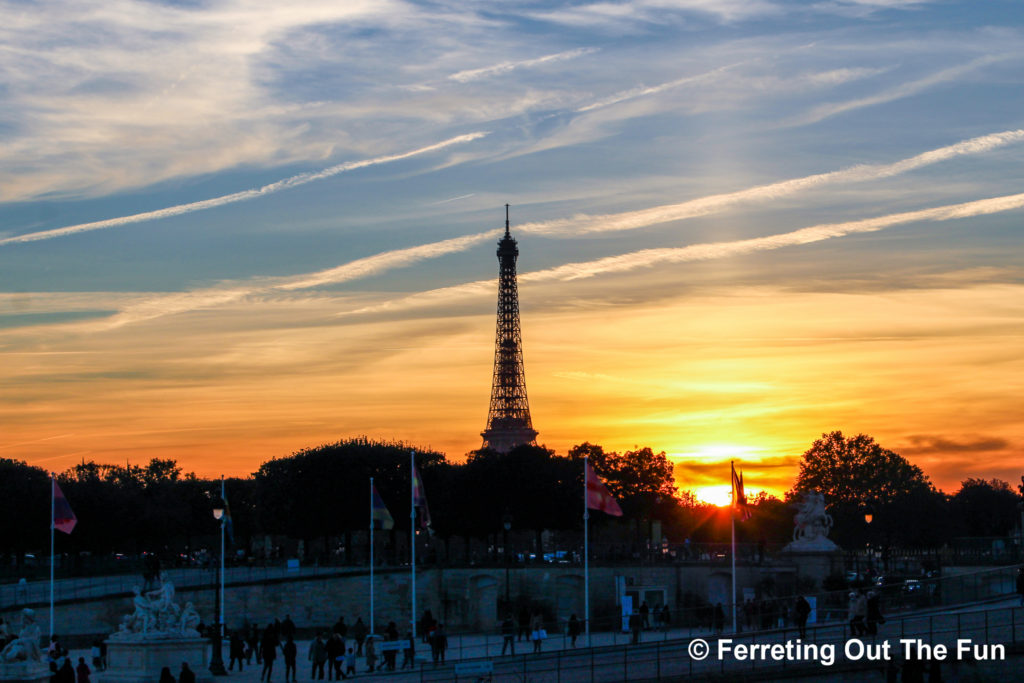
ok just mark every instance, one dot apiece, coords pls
pixel 824 111
pixel 927 443
pixel 647 258
pixel 631 220
pixel 224 293
pixel 504 67
pixel 170 304
pixel 286 184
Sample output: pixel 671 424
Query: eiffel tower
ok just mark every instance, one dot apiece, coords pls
pixel 508 419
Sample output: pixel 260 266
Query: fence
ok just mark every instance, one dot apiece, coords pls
pixel 671 659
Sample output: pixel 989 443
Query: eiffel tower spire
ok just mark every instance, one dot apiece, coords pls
pixel 508 419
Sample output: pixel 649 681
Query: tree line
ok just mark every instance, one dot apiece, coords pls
pixel 321 496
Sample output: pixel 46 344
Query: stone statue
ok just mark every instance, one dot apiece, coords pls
pixel 144 616
pixel 25 648
pixel 812 524
pixel 190 621
pixel 156 616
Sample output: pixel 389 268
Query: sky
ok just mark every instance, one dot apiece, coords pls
pixel 231 230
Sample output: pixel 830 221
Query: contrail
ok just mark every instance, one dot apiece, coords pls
pixel 631 220
pixel 244 195
pixel 647 258
pixel 182 302
pixel 473 74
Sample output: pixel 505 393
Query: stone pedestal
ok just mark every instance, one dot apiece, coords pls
pixel 24 672
pixel 141 660
pixel 814 563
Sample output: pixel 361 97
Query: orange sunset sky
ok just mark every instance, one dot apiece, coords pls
pixel 233 230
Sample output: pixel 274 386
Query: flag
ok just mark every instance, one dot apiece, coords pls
pixel 598 497
pixel 739 499
pixel 419 498
pixel 229 527
pixel 381 518
pixel 63 518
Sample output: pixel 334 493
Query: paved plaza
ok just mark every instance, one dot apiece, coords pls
pixel 666 654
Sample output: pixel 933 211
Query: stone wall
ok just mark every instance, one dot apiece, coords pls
pixel 464 598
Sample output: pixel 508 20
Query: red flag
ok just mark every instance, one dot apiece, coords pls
pixel 598 497
pixel 63 518
pixel 419 498
pixel 739 499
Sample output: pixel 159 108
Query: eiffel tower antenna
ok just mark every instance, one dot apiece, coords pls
pixel 508 419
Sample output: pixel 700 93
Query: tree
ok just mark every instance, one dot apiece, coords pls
pixel 857 475
pixel 986 508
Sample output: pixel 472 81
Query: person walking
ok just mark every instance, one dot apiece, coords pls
pixel 236 651
pixel 801 611
pixel 82 671
pixel 371 654
pixel 318 657
pixel 508 635
pixel 359 632
pixel 350 663
pixel 409 653
pixel 391 656
pixel 574 630
pixel 186 675
pixel 268 651
pixel 290 652
pixel 166 676
pixel 335 652
pixel 874 612
pixel 524 624
pixel 441 637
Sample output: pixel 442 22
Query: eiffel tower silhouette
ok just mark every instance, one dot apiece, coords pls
pixel 508 419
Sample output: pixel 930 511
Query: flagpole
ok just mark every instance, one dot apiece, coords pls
pixel 586 555
pixel 53 519
pixel 371 555
pixel 732 516
pixel 223 523
pixel 412 533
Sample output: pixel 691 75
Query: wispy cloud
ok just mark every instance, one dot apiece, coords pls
pixel 171 304
pixel 504 67
pixel 286 184
pixel 632 220
pixel 225 293
pixel 824 111
pixel 647 258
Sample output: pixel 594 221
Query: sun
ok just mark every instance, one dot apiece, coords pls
pixel 715 495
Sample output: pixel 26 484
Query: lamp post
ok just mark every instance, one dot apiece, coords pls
pixel 217 657
pixel 506 523
pixel 869 516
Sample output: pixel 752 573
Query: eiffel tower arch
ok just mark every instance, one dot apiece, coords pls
pixel 508 419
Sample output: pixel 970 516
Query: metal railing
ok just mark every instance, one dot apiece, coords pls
pixel 670 659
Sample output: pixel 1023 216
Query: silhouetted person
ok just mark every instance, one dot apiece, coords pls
pixel 801 611
pixel 574 629
pixel 82 671
pixel 359 632
pixel 186 675
pixel 268 650
pixel 166 676
pixel 508 634
pixel 236 651
pixel 290 652
pixel 318 657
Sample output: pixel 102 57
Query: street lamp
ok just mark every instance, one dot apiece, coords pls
pixel 217 657
pixel 506 523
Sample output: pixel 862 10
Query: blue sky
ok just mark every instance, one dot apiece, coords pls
pixel 236 229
